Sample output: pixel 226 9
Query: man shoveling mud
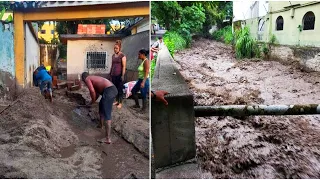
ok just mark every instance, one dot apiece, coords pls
pixel 100 86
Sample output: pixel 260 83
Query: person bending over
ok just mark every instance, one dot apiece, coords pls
pixel 100 86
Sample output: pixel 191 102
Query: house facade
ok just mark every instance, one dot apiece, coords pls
pixel 48 31
pixel 292 22
pixel 89 53
pixel 93 52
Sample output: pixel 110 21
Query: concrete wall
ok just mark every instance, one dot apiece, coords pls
pixel 144 26
pixel 172 127
pixel 253 24
pixel 278 5
pixel 295 55
pixel 76 56
pixel 130 47
pixel 290 35
pixel 7 65
pixel 32 56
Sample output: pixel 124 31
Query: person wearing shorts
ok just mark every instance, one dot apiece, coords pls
pixel 100 86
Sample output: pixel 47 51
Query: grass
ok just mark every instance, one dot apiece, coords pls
pixel 174 41
pixel 152 67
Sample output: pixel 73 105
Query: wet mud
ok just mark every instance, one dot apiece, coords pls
pixel 252 147
pixel 39 139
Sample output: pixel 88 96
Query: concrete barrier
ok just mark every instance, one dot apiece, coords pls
pixel 172 126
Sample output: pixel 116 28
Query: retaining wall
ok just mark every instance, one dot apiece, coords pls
pixel 172 126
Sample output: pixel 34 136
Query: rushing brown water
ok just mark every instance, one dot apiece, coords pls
pixel 252 147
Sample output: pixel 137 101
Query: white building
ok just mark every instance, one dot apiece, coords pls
pixel 243 10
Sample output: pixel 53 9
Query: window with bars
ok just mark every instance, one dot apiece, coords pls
pixel 308 21
pixel 279 23
pixel 96 60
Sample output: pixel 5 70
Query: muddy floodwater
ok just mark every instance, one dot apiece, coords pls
pixel 252 147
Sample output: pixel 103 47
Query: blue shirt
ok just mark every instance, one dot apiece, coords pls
pixel 43 75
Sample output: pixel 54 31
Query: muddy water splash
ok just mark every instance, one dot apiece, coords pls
pixel 252 147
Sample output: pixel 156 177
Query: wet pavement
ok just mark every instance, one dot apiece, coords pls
pixel 252 147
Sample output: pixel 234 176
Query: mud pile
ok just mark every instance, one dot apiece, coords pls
pixel 131 124
pixel 33 134
pixel 252 147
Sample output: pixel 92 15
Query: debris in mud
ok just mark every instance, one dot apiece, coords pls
pixel 49 140
pixel 252 147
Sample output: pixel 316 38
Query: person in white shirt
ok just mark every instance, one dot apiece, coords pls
pixel 157 46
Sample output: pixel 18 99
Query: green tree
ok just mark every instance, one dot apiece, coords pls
pixel 168 13
pixel 191 21
pixel 6 5
pixel 215 12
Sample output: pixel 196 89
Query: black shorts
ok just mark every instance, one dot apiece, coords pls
pixel 105 104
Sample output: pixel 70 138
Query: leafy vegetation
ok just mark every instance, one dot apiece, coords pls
pixel 266 47
pixel 182 19
pixel 246 46
pixel 215 13
pixel 4 7
pixel 62 51
pixel 43 41
pixel 153 66
pixel 174 41
pixel 225 35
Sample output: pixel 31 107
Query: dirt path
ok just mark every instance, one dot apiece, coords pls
pixel 252 147
pixel 43 140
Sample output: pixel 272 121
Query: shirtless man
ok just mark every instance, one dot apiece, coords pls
pixel 100 86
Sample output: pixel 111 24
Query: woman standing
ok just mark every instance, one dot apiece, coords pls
pixel 118 70
pixel 143 82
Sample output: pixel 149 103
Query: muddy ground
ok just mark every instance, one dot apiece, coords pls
pixel 252 147
pixel 43 140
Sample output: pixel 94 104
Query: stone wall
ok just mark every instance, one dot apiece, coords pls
pixel 305 57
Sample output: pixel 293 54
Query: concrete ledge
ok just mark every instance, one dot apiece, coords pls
pixel 132 126
pixel 173 128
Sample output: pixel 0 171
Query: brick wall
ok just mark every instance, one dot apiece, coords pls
pixel 91 29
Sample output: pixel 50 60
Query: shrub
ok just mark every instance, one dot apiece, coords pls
pixel 265 50
pixel 152 67
pixel 273 39
pixel 174 41
pixel 246 47
pixel 224 34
